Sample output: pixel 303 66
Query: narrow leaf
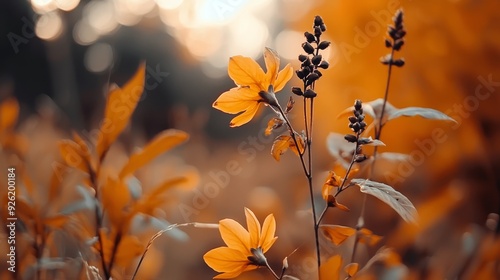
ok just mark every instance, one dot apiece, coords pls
pixel 427 113
pixel 160 144
pixel 400 203
pixel 120 105
pixel 56 221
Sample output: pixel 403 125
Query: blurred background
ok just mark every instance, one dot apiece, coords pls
pixel 58 57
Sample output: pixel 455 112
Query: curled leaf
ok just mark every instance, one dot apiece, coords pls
pixel 283 142
pixel 427 113
pixel 397 201
pixel 273 124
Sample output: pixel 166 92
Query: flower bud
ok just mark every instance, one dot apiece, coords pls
pixel 312 78
pixel 323 27
pixel 353 119
pixel 360 158
pixel 388 43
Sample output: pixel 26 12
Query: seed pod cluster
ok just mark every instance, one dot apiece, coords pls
pixel 312 61
pixel 396 33
pixel 357 124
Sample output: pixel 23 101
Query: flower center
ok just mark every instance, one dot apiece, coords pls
pixel 257 258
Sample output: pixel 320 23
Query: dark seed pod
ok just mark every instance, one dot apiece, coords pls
pixel 300 74
pixel 350 138
pixel 399 43
pixel 309 37
pixel 324 65
pixel 317 31
pixel 310 93
pixel 353 119
pixel 388 43
pixel 398 18
pixel 312 77
pixel 306 62
pixel 308 48
pixel 357 104
pixel 303 57
pixel 318 21
pixel 323 45
pixel 360 158
pixel 316 59
pixel 297 91
pixel 323 27
pixel 306 71
pixel 399 62
pixel 318 72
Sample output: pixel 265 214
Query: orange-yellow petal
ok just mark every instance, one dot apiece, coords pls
pixel 235 273
pixel 283 77
pixel 225 259
pixel 245 71
pixel 246 116
pixel 272 65
pixel 235 236
pixel 253 226
pixel 236 100
pixel 267 237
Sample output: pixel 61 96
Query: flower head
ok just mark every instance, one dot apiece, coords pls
pixel 253 86
pixel 245 248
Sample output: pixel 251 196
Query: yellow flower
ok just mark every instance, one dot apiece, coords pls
pixel 254 86
pixel 245 249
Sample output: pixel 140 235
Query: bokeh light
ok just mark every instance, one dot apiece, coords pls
pixel 98 57
pixel 49 26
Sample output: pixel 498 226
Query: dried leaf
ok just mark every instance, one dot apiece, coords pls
pixel 331 268
pixel 160 144
pixel 400 203
pixel 351 269
pixel 333 181
pixel 280 146
pixel 273 123
pixel 9 111
pixel 120 105
pixel 338 234
pixel 129 248
pixel 393 156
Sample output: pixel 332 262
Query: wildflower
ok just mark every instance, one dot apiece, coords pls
pixel 253 86
pixel 245 249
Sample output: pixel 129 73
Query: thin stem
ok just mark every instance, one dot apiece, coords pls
pixel 322 215
pixel 307 172
pixel 386 95
pixel 272 271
